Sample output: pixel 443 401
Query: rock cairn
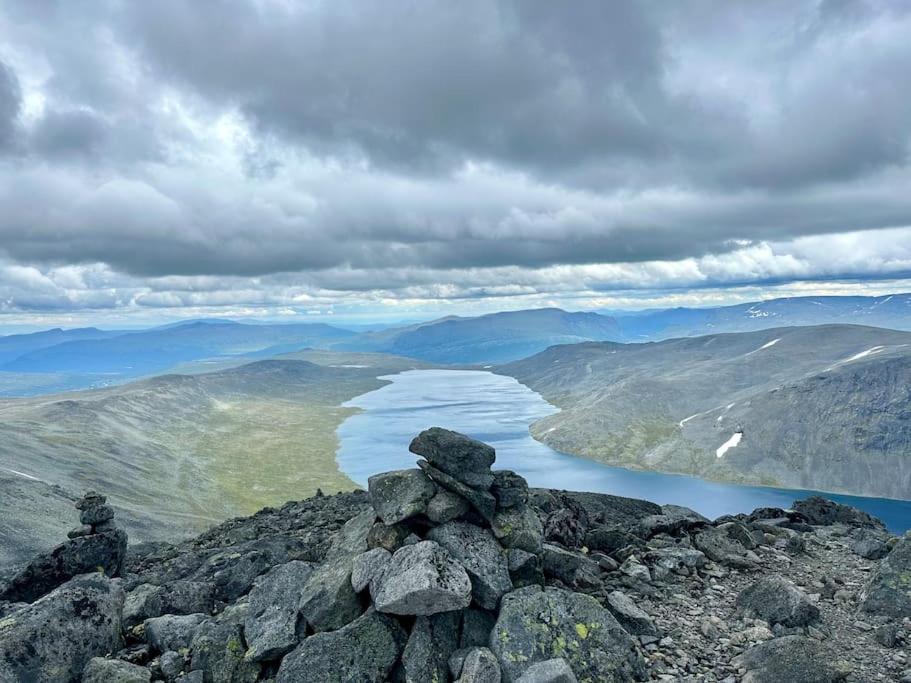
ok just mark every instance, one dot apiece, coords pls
pixel 96 545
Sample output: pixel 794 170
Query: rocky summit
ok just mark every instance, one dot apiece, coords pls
pixel 452 571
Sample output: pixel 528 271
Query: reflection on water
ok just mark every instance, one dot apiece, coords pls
pixel 498 410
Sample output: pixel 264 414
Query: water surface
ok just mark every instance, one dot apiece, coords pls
pixel 498 410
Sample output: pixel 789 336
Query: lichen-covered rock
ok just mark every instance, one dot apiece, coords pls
pixel 778 601
pixel 457 455
pixel 53 639
pixel 518 527
pixel 525 568
pixel 387 536
pixel 480 666
pixel 81 555
pixel 401 494
pixel 476 627
pixel 422 579
pixel 328 601
pixel 446 506
pixel 432 642
pixel 367 567
pixel 629 615
pixel 483 558
pixel 366 650
pixel 271 625
pixel 171 631
pixel 794 659
pixel 482 501
pixel 551 671
pixel 218 650
pixel 101 670
pixel 537 624
pixel 176 597
pixel 354 537
pixel 509 488
pixel 889 590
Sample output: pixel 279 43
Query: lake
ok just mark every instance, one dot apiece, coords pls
pixel 498 410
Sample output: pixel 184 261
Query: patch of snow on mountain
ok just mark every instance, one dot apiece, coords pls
pixel 729 444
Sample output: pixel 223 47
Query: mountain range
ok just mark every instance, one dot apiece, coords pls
pixel 825 407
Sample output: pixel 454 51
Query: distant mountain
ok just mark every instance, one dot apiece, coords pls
pixel 15 345
pixel 893 312
pixel 149 351
pixel 826 407
pixel 176 453
pixel 493 338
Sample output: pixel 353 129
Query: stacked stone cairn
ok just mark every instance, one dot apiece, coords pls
pixel 450 587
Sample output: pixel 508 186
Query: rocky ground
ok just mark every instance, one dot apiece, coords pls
pixel 452 571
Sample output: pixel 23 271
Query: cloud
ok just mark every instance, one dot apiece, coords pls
pixel 323 151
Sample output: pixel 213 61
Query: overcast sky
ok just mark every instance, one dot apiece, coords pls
pixel 398 158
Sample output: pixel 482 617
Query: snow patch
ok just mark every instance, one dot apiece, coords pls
pixel 21 474
pixel 767 345
pixel 857 356
pixel 729 444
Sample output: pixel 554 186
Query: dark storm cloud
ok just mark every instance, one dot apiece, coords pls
pixel 255 137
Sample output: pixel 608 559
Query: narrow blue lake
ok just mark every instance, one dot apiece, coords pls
pixel 498 410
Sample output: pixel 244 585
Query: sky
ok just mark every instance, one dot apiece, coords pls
pixel 397 159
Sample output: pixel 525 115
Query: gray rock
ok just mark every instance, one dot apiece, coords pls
pixel 777 601
pixel 823 512
pixel 401 494
pixel 354 536
pixel 422 579
pixel 83 530
pixel 82 555
pixel 483 558
pixel 479 666
pixel 446 506
pixel 550 671
pixel 476 627
pixel 673 520
pixel 509 488
pixel 171 664
pixel 367 567
pixel 739 533
pixel 518 527
pixel 634 569
pixel 525 568
pixel 218 650
pixel 388 537
pixel 97 514
pixel 366 650
pixel 176 597
pixel 719 547
pixel 567 526
pixel 100 670
pixel 537 625
pixel 667 561
pixel 889 591
pixel 482 501
pixel 457 660
pixel 432 642
pixel 794 659
pixel 171 631
pixel 328 600
pixel 888 635
pixel 457 455
pixel 630 616
pixel 271 626
pixel 610 539
pixel 870 544
pixel 54 638
pixel 572 568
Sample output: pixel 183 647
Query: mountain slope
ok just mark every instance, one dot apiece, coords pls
pixel 177 453
pixel 150 351
pixel 892 311
pixel 814 407
pixel 14 345
pixel 493 338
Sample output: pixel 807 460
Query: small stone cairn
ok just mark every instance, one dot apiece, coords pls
pixel 443 580
pixel 95 516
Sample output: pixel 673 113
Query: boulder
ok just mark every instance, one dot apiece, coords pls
pixel 629 615
pixel 667 561
pixel 177 597
pixel 388 537
pixel 549 671
pixel 479 666
pixel 518 527
pixel 422 579
pixel 610 539
pixel 777 600
pixel 271 626
pixel 401 494
pixel 54 638
pixel 446 506
pixel 476 627
pixel 509 488
pixel 566 526
pixel 328 600
pixel 823 512
pixel 101 670
pixel 888 592
pixel 673 520
pixel 366 650
pixel 482 501
pixel 81 555
pixel 171 631
pixel 457 455
pixel 606 509
pixel 432 642
pixel 354 536
pixel 538 624
pixel 795 659
pixel 525 568
pixel 484 559
pixel 218 650
pixel 367 567
pixel 870 544
pixel 171 664
pixel 572 568
pixel 719 547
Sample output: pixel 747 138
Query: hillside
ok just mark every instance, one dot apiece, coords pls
pixel 892 311
pixel 177 453
pixel 815 407
pixel 492 338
